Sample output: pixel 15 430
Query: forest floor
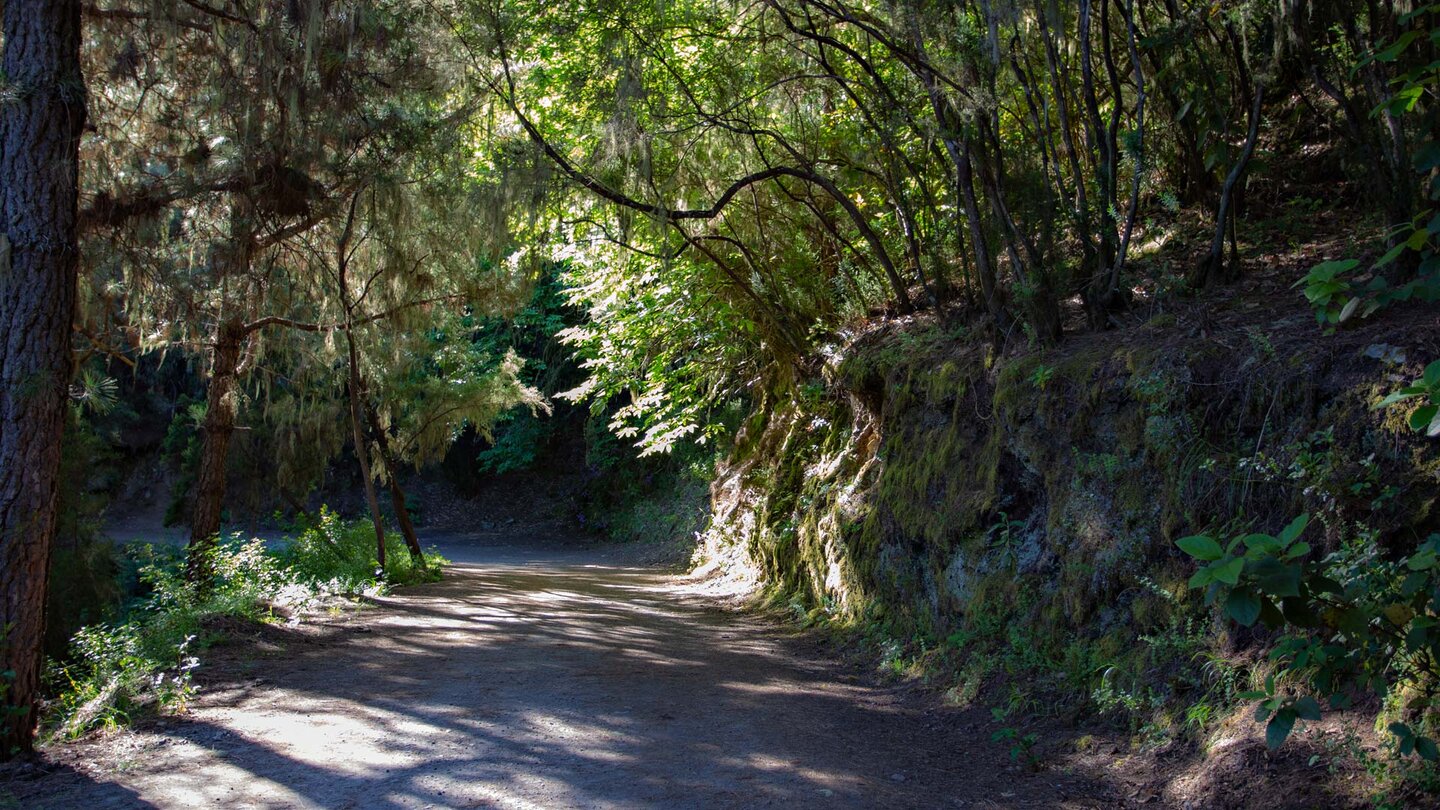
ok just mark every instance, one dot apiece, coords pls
pixel 544 675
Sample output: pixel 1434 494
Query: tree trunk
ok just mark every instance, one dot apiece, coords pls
pixel 1212 267
pixel 362 454
pixel 407 528
pixel 343 254
pixel 1099 294
pixel 397 493
pixel 217 429
pixel 40 126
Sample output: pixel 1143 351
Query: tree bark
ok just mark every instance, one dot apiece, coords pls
pixel 407 528
pixel 1104 147
pixel 397 493
pixel 343 253
pixel 362 452
pixel 40 130
pixel 218 427
pixel 1212 267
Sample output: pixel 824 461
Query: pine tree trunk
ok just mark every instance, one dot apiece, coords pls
pixel 40 126
pixel 218 427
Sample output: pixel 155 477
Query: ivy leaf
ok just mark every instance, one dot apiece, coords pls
pixel 1432 375
pixel 1425 747
pixel 1409 392
pixel 1414 582
pixel 1406 738
pixel 1422 560
pixel 1390 256
pixel 1298 612
pixel 1260 545
pixel 1270 614
pixel 1276 578
pixel 1397 47
pixel 1200 547
pixel 1294 529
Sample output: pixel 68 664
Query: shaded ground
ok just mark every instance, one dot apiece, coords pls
pixel 544 677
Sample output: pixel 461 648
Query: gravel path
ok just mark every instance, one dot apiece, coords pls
pixel 540 677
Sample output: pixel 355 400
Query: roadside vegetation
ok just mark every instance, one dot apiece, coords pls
pixel 140 662
pixel 1012 336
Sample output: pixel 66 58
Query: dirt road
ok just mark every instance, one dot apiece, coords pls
pixel 540 678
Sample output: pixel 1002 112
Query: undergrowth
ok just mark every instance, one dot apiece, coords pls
pixel 144 660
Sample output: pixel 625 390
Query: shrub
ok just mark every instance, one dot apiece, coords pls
pixel 145 659
pixel 1351 623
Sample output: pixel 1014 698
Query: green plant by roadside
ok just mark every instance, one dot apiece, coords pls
pixel 146 659
pixel 1425 418
pixel 1354 622
pixel 1022 746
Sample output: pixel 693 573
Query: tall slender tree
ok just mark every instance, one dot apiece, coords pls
pixel 41 119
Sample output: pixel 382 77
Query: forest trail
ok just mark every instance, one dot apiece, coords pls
pixel 540 677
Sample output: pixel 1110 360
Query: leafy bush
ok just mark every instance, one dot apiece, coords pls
pixel 341 555
pixel 145 660
pixel 1354 622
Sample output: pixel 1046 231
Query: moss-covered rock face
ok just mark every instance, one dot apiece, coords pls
pixel 922 483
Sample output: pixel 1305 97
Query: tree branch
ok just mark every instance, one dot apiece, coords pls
pixel 307 326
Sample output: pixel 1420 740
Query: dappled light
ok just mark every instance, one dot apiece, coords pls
pixel 719 403
pixel 576 685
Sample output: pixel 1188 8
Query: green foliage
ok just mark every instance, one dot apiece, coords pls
pixel 664 371
pixel 1413 260
pixel 521 435
pixel 1022 746
pixel 181 450
pixel 434 386
pixel 1041 376
pixel 1426 418
pixel 144 660
pixel 340 555
pixel 94 393
pixel 1329 295
pixel 1336 298
pixel 1352 622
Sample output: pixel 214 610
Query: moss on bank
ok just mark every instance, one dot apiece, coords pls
pixel 1017 515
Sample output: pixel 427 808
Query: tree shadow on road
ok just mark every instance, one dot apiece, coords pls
pixel 570 686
